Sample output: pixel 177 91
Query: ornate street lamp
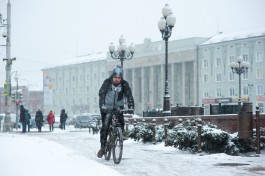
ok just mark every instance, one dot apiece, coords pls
pixel 239 67
pixel 123 52
pixel 165 25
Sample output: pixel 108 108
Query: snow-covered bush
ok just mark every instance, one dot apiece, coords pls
pixel 184 136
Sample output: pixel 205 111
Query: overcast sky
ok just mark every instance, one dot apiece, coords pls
pixel 45 33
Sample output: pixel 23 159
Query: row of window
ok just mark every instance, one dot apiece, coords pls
pixel 245 91
pixel 244 76
pixel 74 102
pixel 218 60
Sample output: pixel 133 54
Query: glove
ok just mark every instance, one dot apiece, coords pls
pixel 130 111
pixel 103 109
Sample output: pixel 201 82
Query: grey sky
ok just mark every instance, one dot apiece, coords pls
pixel 47 32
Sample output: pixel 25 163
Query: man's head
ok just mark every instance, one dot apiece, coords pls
pixel 117 75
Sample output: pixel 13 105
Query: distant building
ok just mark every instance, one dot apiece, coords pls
pixel 217 83
pixel 32 100
pixel 146 73
pixel 74 85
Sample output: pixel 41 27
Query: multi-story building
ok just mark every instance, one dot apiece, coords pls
pixel 217 82
pixel 32 100
pixel 146 73
pixel 74 85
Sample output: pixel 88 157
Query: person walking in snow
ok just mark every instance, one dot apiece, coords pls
pixel 39 120
pixel 63 118
pixel 28 117
pixel 22 118
pixel 111 95
pixel 51 120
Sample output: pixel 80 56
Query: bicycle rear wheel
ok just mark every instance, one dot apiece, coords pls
pixel 117 147
pixel 108 146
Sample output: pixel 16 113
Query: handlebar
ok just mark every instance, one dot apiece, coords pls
pixel 127 111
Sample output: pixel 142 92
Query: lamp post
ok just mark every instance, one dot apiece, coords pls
pixel 7 122
pixel 165 25
pixel 123 52
pixel 239 67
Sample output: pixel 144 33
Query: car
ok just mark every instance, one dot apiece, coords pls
pixel 57 122
pixel 86 120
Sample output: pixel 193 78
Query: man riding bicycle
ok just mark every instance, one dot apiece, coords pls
pixel 111 96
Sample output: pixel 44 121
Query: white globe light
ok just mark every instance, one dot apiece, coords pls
pixel 111 47
pixel 123 47
pixel 131 48
pixel 239 59
pixel 166 10
pixel 171 20
pixel 121 40
pixel 162 24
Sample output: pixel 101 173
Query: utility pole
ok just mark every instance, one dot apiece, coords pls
pixel 7 122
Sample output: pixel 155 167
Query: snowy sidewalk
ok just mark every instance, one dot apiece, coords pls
pixel 31 156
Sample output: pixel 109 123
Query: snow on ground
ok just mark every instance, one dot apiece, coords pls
pixel 22 155
pixel 73 152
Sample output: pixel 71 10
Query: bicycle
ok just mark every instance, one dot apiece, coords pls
pixel 115 138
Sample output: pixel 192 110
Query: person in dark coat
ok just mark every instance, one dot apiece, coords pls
pixel 51 120
pixel 112 95
pixel 22 118
pixel 39 119
pixel 28 117
pixel 63 118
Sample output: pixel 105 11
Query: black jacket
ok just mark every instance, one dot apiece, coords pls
pixel 125 92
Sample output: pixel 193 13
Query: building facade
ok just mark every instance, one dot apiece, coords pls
pixel 217 82
pixel 146 73
pixel 32 100
pixel 74 86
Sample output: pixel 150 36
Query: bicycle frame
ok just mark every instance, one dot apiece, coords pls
pixel 115 138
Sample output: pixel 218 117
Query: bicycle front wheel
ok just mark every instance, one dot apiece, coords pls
pixel 117 147
pixel 108 146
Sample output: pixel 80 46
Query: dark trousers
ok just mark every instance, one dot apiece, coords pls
pixel 51 127
pixel 39 128
pixel 24 127
pixel 106 119
pixel 28 124
pixel 63 125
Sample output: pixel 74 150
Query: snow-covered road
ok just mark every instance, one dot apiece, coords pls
pixel 156 160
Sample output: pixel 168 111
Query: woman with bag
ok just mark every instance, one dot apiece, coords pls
pixel 51 120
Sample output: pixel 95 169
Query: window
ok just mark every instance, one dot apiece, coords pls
pixel 259 89
pixel 218 62
pixel 245 76
pixel 245 90
pixel 218 92
pixel 73 79
pixel 231 76
pixel 205 78
pixel 205 93
pixel 259 73
pixel 259 56
pixel 205 63
pixel 218 77
pixel 231 59
pixel 245 57
pixel 231 92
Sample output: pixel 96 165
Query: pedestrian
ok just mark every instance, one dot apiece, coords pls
pixel 51 120
pixel 112 95
pixel 39 119
pixel 28 117
pixel 63 118
pixel 22 118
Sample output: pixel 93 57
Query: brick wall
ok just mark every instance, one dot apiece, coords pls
pixel 226 123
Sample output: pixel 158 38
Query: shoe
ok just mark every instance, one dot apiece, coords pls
pixel 100 153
